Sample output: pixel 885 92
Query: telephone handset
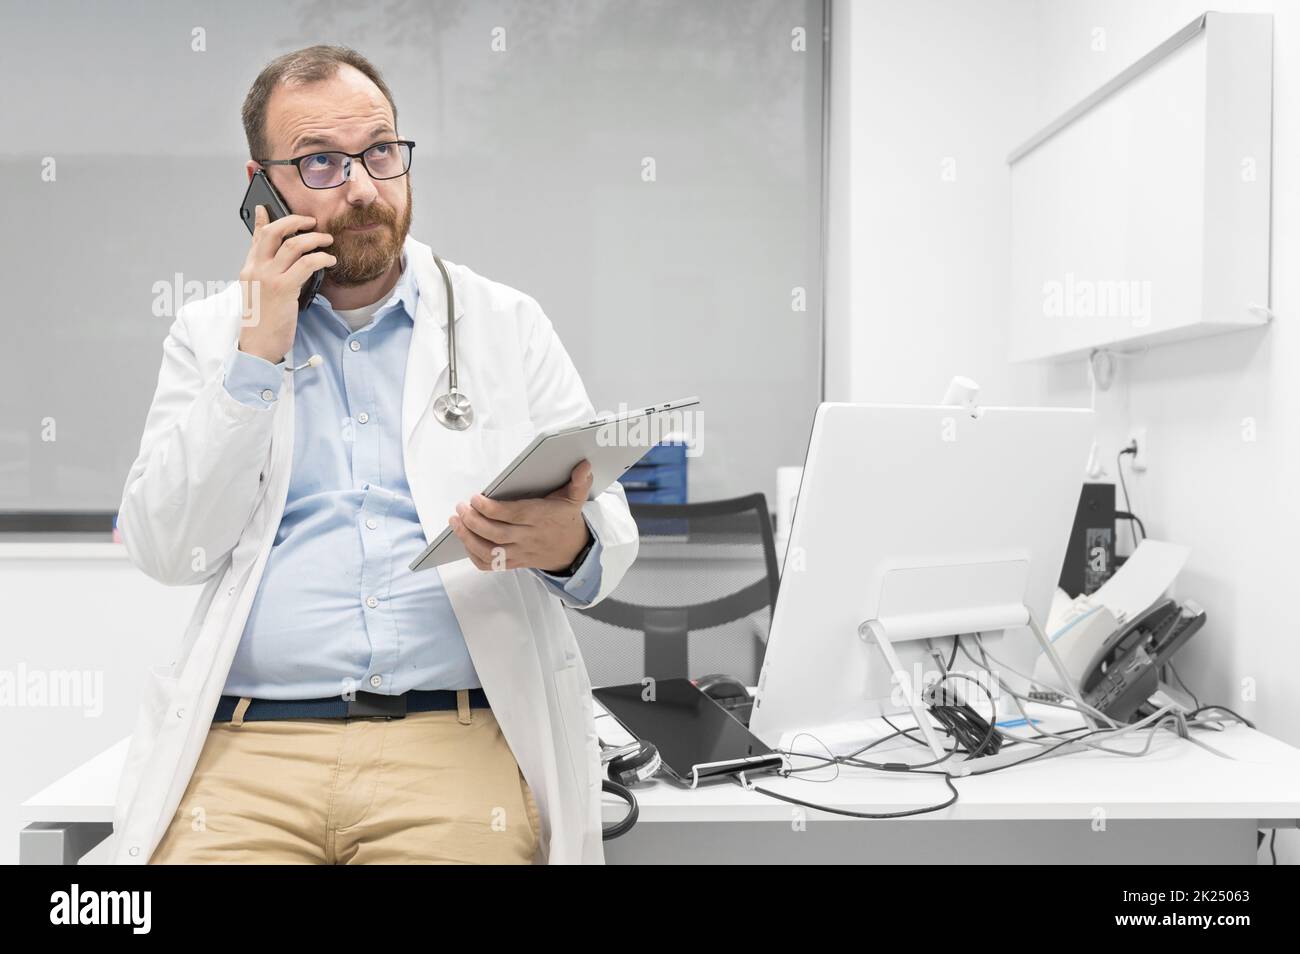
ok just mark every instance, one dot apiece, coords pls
pixel 261 192
pixel 1124 672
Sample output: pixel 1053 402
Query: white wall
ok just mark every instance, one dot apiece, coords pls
pixel 918 292
pixel 1210 486
pixel 918 205
pixel 81 616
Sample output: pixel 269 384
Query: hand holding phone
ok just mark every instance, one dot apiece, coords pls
pixel 284 261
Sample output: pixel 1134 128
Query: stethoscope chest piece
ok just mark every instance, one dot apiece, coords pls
pixel 453 410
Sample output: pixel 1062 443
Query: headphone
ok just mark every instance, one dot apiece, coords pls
pixel 628 765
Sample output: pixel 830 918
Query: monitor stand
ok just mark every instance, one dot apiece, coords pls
pixel 934 601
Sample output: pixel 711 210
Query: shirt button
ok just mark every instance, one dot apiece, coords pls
pixel 372 523
pixel 376 681
pixel 363 417
pixel 371 602
pixel 268 394
pixel 354 344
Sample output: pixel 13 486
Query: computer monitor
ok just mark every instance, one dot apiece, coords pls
pixel 918 522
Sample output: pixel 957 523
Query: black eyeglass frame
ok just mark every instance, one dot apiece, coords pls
pixel 296 162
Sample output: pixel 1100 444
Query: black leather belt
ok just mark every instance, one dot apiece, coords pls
pixel 365 705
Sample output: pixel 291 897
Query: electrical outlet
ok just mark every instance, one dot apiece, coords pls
pixel 1138 436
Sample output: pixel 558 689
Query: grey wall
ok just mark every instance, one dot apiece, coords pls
pixel 528 168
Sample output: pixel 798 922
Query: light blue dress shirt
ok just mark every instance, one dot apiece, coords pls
pixel 338 608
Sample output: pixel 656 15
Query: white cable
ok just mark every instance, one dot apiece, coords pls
pixel 1110 733
pixel 1078 700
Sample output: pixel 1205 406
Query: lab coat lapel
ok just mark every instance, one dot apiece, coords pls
pixel 427 359
pixel 444 467
pixel 438 460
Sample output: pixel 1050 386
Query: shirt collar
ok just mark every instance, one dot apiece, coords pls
pixel 407 289
pixel 406 293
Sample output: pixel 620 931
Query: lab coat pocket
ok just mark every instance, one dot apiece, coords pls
pixel 568 695
pixel 155 702
pixel 159 691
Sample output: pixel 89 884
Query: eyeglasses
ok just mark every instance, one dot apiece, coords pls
pixel 329 170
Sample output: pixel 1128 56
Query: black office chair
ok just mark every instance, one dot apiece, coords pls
pixel 697 601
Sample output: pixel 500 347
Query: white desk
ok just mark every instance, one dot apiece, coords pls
pixel 1178 804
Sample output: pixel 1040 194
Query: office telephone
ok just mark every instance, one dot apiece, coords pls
pixel 1125 672
pixel 1115 666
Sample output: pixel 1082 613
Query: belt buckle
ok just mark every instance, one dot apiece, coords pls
pixel 376 705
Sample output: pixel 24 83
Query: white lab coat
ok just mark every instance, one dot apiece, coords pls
pixel 204 498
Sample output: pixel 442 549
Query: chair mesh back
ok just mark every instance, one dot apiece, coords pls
pixel 698 599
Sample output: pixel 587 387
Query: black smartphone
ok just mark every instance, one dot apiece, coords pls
pixel 261 192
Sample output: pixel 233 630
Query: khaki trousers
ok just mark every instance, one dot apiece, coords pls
pixel 439 787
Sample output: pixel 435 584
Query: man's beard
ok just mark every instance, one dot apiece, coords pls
pixel 364 256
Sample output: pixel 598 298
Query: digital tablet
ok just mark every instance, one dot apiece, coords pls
pixel 612 445
pixel 695 736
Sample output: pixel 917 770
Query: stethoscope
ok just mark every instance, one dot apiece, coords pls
pixel 453 409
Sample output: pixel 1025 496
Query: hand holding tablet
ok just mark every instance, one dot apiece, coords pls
pixel 547 532
pixel 541 481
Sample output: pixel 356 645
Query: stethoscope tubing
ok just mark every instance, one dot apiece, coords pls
pixel 452 380
pixel 453 409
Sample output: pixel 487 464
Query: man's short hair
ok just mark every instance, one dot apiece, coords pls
pixel 311 64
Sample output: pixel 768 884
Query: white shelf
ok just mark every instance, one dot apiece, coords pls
pixel 1141 215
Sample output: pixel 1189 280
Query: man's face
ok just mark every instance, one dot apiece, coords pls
pixel 369 218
